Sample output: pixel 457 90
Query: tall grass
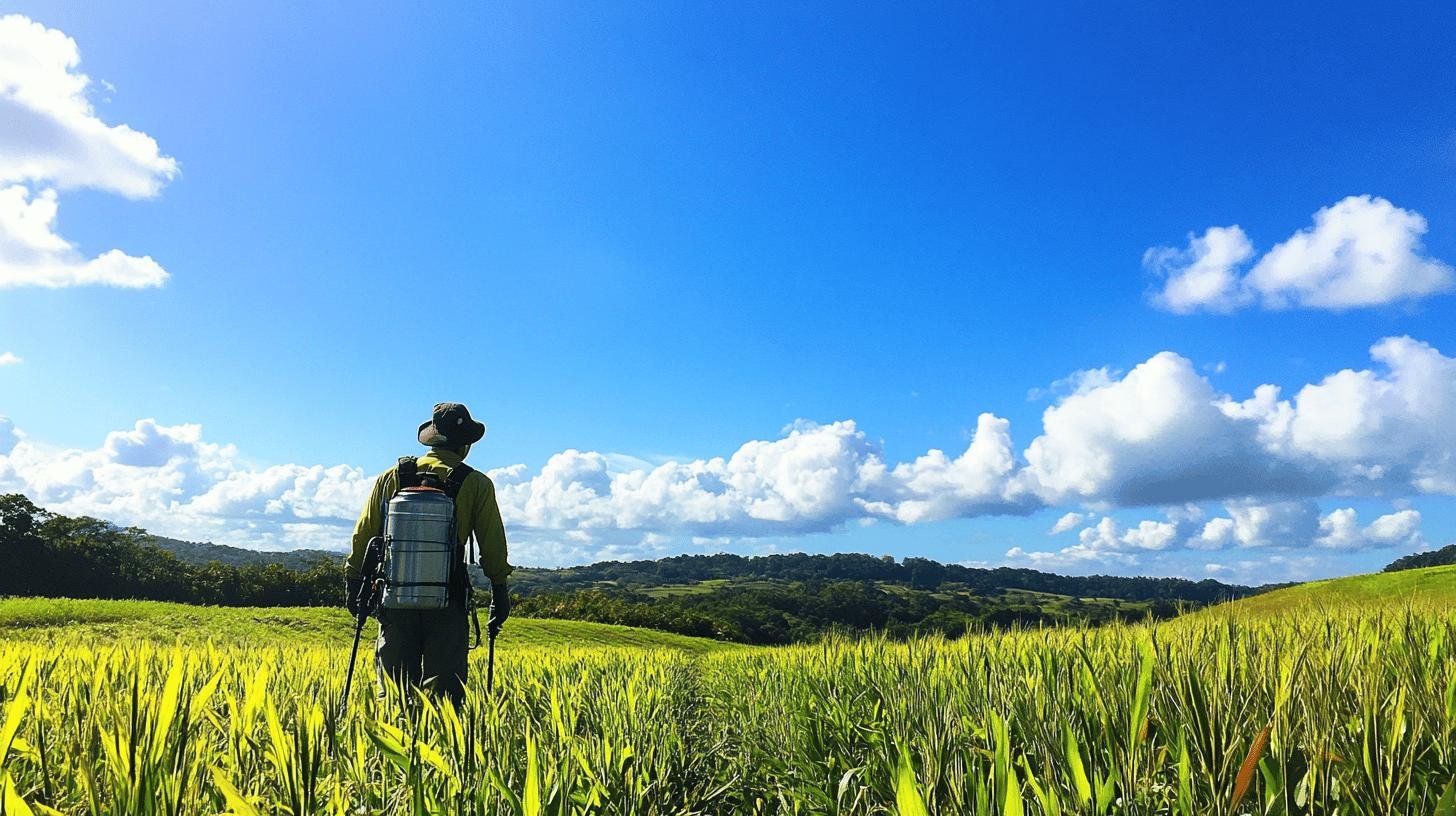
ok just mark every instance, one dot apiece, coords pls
pixel 1348 714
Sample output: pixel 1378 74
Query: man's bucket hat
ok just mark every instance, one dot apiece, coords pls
pixel 451 426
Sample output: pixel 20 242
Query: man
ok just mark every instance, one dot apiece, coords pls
pixel 432 646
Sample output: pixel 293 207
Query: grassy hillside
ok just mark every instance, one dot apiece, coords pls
pixel 44 619
pixel 1419 587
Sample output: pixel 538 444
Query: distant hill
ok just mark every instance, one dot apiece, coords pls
pixel 762 600
pixel 1395 589
pixel 202 554
pixel 797 597
pixel 1434 558
pixel 684 571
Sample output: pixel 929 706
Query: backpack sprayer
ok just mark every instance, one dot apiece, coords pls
pixel 413 565
pixel 364 603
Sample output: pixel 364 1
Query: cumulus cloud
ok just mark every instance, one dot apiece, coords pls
pixel 1401 528
pixel 1160 435
pixel 1290 525
pixel 9 358
pixel 1255 524
pixel 1205 274
pixel 1278 565
pixel 1250 524
pixel 935 487
pixel 169 479
pixel 1068 521
pixel 814 478
pixel 9 438
pixel 1108 542
pixel 53 140
pixel 1074 383
pixel 1384 430
pixel 1360 251
pixel 1163 434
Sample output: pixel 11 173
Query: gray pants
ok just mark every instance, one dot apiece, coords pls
pixel 425 647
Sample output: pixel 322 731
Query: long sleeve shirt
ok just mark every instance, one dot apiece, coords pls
pixel 476 513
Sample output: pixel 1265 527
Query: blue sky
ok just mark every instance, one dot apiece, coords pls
pixel 658 233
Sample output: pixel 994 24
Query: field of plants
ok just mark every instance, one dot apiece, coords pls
pixel 1312 712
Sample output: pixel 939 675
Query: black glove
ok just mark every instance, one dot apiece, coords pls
pixel 500 608
pixel 352 588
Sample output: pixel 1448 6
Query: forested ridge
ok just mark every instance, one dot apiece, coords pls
pixel 48 554
pixel 1433 558
pixel 760 599
pixel 918 573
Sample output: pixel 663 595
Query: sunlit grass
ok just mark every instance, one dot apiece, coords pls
pixel 45 619
pixel 1431 586
pixel 1349 711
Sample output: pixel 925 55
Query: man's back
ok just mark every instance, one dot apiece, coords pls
pixel 476 511
pixel 430 645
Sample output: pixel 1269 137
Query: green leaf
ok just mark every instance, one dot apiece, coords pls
pixel 531 796
pixel 1080 783
pixel 171 696
pixel 1105 793
pixel 1011 804
pixel 236 802
pixel 1446 805
pixel 1140 696
pixel 907 792
pixel 1051 802
pixel 13 804
pixel 1185 776
pixel 14 714
pixel 387 739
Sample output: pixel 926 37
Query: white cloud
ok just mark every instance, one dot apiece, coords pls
pixel 1074 383
pixel 1250 524
pixel 1276 567
pixel 1216 534
pixel 1076 557
pixel 1151 535
pixel 9 438
pixel 1361 251
pixel 32 254
pixel 1160 435
pixel 172 481
pixel 55 141
pixel 1205 275
pixel 1373 431
pixel 1401 528
pixel 55 136
pixel 1298 524
pixel 1109 543
pixel 1163 434
pixel 1287 524
pixel 935 487
pixel 1340 529
pixel 1067 522
pixel 10 358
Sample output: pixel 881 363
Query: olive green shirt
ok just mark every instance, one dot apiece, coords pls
pixel 476 513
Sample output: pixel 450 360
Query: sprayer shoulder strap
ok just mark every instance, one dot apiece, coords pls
pixel 455 479
pixel 407 473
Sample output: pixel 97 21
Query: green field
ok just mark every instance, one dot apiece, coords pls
pixel 1431 586
pixel 46 619
pixel 1344 702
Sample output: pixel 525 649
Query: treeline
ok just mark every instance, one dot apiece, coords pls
pixel 789 613
pixel 917 573
pixel 1434 558
pixel 767 600
pixel 52 555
